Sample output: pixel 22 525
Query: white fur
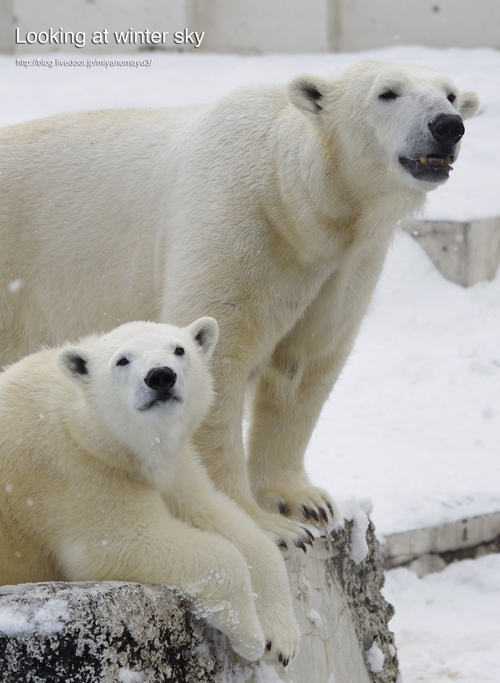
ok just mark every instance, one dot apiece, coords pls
pixel 271 210
pixel 100 481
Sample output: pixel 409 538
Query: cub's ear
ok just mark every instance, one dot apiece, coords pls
pixel 205 332
pixel 72 361
pixel 468 104
pixel 307 93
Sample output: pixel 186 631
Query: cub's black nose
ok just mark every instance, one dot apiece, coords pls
pixel 447 128
pixel 161 379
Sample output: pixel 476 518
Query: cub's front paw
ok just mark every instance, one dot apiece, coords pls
pixel 311 504
pixel 284 645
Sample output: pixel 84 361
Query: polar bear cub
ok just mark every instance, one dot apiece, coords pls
pixel 99 481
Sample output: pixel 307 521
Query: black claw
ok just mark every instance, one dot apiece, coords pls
pixel 282 544
pixel 314 515
pixel 269 645
pixel 285 662
pixel 283 508
pixel 322 512
pixel 308 533
pixel 299 544
pixel 306 512
pixel 280 657
pixel 329 506
pixel 308 541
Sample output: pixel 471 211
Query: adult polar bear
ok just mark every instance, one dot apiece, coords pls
pixel 270 210
pixel 99 481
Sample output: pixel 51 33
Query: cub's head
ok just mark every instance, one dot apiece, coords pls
pixel 405 119
pixel 146 378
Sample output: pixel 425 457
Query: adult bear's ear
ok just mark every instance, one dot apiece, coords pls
pixel 205 332
pixel 468 104
pixel 307 93
pixel 73 362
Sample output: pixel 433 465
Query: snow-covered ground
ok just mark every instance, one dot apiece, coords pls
pixel 447 625
pixel 414 421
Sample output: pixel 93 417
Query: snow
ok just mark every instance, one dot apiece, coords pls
pixel 414 419
pixel 356 511
pixel 413 422
pixel 50 618
pixel 129 676
pixel 315 618
pixel 375 658
pixel 447 625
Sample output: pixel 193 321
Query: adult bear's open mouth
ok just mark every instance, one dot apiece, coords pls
pixel 434 168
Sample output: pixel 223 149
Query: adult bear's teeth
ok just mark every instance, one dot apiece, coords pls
pixel 423 160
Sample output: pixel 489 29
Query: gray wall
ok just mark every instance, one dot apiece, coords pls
pixel 263 26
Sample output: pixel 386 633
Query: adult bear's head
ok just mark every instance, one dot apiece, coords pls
pixel 378 117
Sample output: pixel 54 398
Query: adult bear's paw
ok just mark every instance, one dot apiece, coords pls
pixel 312 505
pixel 289 536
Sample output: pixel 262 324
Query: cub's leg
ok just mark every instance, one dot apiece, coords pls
pixel 291 392
pixel 140 541
pixel 196 501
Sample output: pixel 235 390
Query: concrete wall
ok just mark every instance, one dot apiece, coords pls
pixel 6 26
pixel 94 15
pixel 264 26
pixel 435 23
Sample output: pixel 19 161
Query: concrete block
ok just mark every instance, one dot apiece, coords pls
pixel 465 253
pixel 6 27
pixel 96 15
pixel 260 27
pixel 108 632
pixel 367 25
pixel 430 549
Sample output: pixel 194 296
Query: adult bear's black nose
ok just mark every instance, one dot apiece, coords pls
pixel 161 379
pixel 447 128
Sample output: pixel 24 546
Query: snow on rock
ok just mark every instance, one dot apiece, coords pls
pixel 49 618
pixel 356 511
pixel 315 618
pixel 263 673
pixel 375 658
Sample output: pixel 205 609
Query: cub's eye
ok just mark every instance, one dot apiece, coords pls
pixel 387 95
pixel 179 351
pixel 451 97
pixel 122 361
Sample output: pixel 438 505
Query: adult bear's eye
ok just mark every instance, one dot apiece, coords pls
pixel 451 97
pixel 122 361
pixel 387 95
pixel 179 351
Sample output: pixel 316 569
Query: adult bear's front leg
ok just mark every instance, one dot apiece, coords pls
pixel 291 392
pixel 220 444
pixel 285 413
